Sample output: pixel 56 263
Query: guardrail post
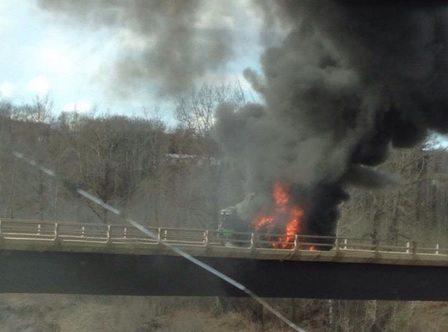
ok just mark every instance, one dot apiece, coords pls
pixel 38 229
pixel 56 230
pixel 252 241
pixel 83 231
pixel 159 235
pixel 296 243
pixel 108 234
pixel 206 238
pixel 437 249
pixel 336 244
pixel 345 244
pixel 125 233
pixel 1 231
pixel 408 247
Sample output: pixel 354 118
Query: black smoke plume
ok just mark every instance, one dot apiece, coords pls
pixel 164 42
pixel 347 81
pixel 350 80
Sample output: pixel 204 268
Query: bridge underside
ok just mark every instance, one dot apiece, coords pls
pixel 156 275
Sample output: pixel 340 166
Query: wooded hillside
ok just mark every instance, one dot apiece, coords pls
pixel 176 176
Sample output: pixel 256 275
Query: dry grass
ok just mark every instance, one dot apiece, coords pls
pixel 63 313
pixel 421 317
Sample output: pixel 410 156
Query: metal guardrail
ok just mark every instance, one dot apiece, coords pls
pixel 60 232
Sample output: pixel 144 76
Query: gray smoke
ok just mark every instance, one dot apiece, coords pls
pixel 166 42
pixel 350 80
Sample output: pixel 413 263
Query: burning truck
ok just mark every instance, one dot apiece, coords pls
pixel 290 210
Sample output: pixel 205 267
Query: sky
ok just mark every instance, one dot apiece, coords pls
pixel 41 56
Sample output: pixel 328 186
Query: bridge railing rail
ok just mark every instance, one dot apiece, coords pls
pixel 59 232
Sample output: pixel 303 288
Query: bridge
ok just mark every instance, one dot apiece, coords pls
pixel 75 258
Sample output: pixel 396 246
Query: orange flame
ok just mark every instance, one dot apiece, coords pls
pixel 280 196
pixel 284 210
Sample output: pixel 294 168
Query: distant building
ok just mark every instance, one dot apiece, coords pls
pixel 191 159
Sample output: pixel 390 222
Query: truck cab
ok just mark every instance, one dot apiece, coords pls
pixel 232 230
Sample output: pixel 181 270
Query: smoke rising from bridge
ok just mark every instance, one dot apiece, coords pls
pixel 350 80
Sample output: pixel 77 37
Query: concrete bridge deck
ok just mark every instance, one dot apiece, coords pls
pixel 50 257
pixel 34 235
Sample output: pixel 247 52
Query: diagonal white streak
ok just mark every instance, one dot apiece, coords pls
pixel 175 249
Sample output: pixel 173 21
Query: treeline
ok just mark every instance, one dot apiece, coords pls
pixel 160 175
pixel 415 208
pixel 175 176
